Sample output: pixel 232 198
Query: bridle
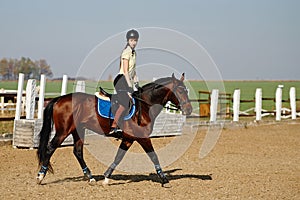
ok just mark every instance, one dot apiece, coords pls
pixel 174 90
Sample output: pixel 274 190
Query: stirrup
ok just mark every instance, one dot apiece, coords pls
pixel 115 130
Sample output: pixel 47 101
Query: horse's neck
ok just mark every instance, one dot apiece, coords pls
pixel 156 102
pixel 159 97
pixel 155 110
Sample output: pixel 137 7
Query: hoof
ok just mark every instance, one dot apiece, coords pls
pixel 92 181
pixel 166 185
pixel 40 178
pixel 106 181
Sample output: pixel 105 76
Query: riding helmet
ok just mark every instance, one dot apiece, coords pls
pixel 132 34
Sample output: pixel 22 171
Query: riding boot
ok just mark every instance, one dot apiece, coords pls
pixel 117 121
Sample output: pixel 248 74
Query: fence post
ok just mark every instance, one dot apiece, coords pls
pixel 2 100
pixel 293 102
pixel 30 98
pixel 258 103
pixel 214 105
pixel 80 86
pixel 278 102
pixel 64 85
pixel 19 96
pixel 41 97
pixel 236 104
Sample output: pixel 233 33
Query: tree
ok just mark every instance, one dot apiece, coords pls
pixel 26 66
pixel 15 68
pixel 45 68
pixel 10 68
pixel 4 69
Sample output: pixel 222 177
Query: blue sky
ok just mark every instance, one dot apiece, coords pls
pixel 247 39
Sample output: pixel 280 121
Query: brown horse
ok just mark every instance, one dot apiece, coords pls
pixel 73 113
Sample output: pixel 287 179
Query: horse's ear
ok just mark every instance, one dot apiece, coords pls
pixel 182 77
pixel 173 76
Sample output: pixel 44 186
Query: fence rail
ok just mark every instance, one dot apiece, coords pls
pixel 219 105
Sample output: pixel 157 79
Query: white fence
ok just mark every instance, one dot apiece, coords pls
pixel 279 112
pixel 8 99
pixel 168 123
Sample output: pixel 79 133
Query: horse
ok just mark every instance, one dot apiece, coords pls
pixel 75 112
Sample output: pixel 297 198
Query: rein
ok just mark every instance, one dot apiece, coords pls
pixel 137 95
pixel 142 100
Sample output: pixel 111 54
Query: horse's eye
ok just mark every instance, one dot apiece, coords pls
pixel 183 90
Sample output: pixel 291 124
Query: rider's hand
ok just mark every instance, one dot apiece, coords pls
pixel 136 85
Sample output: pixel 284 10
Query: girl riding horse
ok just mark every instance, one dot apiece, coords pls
pixel 73 113
pixel 125 80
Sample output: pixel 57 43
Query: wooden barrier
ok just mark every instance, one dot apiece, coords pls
pixel 168 123
pixel 26 131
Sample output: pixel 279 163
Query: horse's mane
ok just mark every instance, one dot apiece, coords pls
pixel 157 83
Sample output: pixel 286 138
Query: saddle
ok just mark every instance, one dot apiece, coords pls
pixel 107 105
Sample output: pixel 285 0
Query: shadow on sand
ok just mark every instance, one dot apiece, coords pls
pixel 127 178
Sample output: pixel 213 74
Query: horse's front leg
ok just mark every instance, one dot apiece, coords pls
pixel 152 155
pixel 148 148
pixel 124 146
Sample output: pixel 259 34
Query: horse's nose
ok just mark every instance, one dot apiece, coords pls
pixel 188 110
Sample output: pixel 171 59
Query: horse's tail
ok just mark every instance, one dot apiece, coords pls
pixel 45 133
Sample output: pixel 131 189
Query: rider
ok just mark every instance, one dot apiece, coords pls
pixel 125 80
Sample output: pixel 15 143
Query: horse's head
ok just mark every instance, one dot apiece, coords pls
pixel 167 89
pixel 179 95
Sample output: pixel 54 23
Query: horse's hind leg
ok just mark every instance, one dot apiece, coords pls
pixel 78 152
pixel 124 146
pixel 148 148
pixel 51 147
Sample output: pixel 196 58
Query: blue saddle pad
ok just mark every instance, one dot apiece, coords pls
pixel 104 109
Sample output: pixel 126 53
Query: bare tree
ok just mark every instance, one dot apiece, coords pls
pixel 4 71
pixel 10 68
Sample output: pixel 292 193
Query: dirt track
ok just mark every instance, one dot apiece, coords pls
pixel 260 162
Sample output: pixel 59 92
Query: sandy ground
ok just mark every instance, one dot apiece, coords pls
pixel 259 162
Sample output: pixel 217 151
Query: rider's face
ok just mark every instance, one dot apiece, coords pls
pixel 132 42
